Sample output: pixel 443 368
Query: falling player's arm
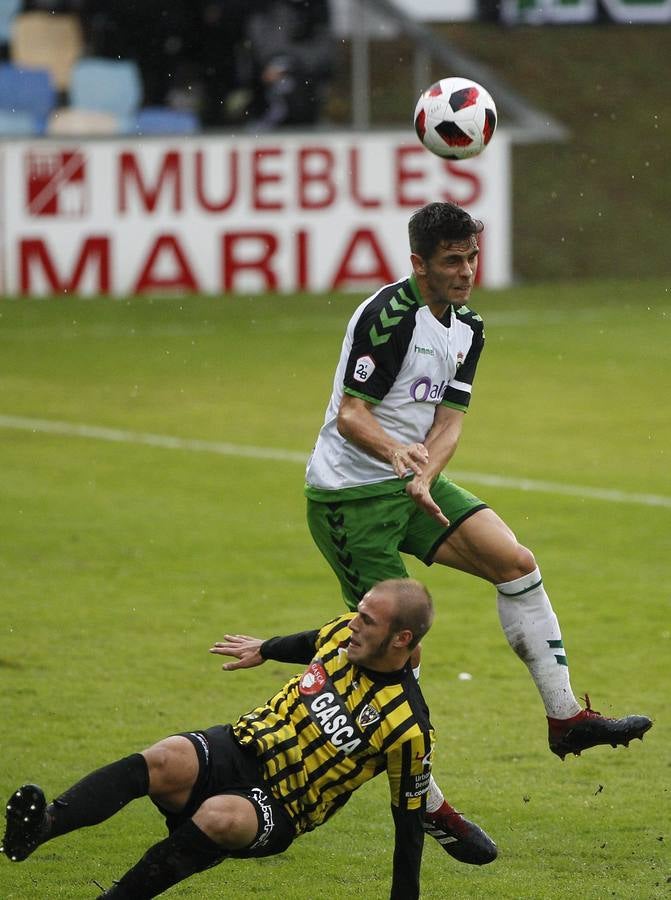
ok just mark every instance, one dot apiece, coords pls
pixel 250 651
pixel 291 648
pixel 408 770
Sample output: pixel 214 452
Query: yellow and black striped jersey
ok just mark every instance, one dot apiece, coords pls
pixel 336 726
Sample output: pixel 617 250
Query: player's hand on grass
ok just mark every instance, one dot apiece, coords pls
pixel 411 456
pixel 419 491
pixel 244 648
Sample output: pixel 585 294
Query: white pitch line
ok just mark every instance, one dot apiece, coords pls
pixel 118 435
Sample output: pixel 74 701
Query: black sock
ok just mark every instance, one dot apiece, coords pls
pixel 188 850
pixel 99 795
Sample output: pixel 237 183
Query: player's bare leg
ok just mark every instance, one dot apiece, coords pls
pixel 483 545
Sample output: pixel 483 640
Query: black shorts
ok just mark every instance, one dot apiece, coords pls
pixel 226 768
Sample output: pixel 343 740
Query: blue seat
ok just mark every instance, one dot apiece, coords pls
pixel 27 90
pixel 8 10
pixel 17 123
pixel 107 85
pixel 164 120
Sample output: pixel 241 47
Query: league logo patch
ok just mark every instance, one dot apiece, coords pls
pixel 367 716
pixel 364 368
pixel 313 680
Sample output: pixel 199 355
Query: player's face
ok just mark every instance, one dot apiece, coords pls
pixel 372 633
pixel 448 275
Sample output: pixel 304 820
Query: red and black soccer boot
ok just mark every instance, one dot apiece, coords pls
pixel 463 840
pixel 589 729
pixel 27 822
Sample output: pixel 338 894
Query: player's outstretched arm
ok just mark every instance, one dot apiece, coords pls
pixel 246 650
pixel 251 651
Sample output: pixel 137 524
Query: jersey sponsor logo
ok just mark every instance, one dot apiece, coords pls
pixel 332 718
pixel 423 390
pixel 367 716
pixel 261 800
pixel 419 784
pixel 327 708
pixel 363 368
pixel 313 680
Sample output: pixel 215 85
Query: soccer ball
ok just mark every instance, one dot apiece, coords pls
pixel 455 118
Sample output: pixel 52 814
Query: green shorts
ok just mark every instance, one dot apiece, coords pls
pixel 362 540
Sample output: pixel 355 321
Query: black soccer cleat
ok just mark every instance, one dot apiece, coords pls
pixel 463 840
pixel 589 729
pixel 27 822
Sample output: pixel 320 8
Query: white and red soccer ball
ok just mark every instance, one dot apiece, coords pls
pixel 455 118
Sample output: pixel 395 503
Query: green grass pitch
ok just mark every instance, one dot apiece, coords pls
pixel 123 555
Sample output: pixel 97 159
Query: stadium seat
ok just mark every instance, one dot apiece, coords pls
pixel 108 85
pixel 68 120
pixel 164 120
pixel 8 10
pixel 46 41
pixel 28 91
pixel 17 123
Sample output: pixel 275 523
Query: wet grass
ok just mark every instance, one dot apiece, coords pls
pixel 121 562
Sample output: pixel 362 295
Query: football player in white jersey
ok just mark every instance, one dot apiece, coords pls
pixel 375 485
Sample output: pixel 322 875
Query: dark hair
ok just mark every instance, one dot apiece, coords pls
pixel 436 223
pixel 414 608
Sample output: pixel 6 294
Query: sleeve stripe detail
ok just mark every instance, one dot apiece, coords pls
pixel 461 386
pixel 458 406
pixel 353 393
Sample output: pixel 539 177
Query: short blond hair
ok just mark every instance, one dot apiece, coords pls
pixel 413 609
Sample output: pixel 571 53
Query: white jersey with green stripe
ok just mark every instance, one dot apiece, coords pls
pixel 405 362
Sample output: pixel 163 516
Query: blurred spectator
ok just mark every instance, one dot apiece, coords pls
pixel 185 48
pixel 267 62
pixel 158 35
pixel 222 24
pixel 53 6
pixel 286 61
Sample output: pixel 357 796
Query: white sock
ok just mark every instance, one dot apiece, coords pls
pixel 434 796
pixel 532 630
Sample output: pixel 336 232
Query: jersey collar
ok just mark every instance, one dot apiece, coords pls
pixel 414 287
pixel 417 294
pixel 387 677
